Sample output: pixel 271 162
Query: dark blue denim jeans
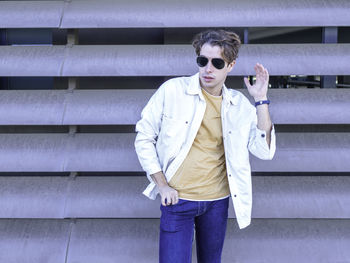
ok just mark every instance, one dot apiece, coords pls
pixel 177 223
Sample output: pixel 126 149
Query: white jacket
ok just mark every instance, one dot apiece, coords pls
pixel 169 124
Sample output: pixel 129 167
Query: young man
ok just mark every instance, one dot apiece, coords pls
pixel 193 141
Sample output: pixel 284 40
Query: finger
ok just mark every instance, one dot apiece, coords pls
pixel 262 68
pixel 176 198
pixel 173 199
pixel 267 73
pixel 264 74
pixel 163 201
pixel 246 81
pixel 256 68
pixel 168 200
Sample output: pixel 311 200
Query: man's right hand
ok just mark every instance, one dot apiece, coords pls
pixel 168 195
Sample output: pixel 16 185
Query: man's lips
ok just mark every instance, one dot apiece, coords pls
pixel 208 77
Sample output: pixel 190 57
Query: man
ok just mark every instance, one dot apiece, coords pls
pixel 193 141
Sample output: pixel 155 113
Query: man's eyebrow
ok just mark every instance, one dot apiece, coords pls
pixel 211 57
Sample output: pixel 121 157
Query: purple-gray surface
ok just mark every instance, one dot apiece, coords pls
pixel 55 197
pixel 99 106
pixel 168 60
pixel 181 13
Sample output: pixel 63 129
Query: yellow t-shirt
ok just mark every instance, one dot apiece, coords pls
pixel 202 175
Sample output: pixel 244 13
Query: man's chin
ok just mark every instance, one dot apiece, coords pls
pixel 208 85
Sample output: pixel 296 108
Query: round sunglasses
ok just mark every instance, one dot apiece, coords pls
pixel 218 63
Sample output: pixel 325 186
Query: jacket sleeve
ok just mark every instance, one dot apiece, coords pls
pixel 147 129
pixel 257 140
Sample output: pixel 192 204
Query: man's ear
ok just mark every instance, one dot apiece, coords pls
pixel 231 65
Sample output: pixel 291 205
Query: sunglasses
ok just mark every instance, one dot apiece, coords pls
pixel 218 63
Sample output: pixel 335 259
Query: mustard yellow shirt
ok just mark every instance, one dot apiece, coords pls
pixel 202 175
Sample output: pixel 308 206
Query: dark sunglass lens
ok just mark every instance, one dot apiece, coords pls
pixel 218 63
pixel 202 61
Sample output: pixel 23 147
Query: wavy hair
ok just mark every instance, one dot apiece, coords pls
pixel 227 40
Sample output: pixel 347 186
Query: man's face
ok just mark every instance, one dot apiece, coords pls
pixel 210 77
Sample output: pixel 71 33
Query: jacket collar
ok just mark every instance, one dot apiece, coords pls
pixel 194 88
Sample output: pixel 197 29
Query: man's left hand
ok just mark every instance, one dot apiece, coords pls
pixel 259 90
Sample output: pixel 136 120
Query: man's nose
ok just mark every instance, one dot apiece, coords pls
pixel 209 67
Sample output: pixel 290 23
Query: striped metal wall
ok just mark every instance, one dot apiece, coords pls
pixel 74 77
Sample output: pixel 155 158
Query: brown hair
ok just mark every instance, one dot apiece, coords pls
pixel 227 40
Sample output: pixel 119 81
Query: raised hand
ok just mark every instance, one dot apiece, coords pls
pixel 259 89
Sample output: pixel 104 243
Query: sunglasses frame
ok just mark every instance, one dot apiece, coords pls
pixel 216 62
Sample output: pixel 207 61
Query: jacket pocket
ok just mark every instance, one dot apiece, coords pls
pixel 171 137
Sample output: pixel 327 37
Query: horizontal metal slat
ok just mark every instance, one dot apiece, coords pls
pixel 159 14
pixel 31 60
pixel 168 60
pixel 273 197
pixel 266 240
pixel 34 240
pixel 31 14
pixel 112 196
pixel 32 107
pixel 296 152
pixel 123 107
pixel 224 13
pixel 288 241
pixel 111 240
pixel 33 197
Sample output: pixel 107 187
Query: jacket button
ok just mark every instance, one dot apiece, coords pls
pixel 229 175
pixel 229 132
pixel 186 122
pixel 235 195
pixel 263 135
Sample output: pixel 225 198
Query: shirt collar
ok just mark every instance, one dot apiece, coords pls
pixel 194 88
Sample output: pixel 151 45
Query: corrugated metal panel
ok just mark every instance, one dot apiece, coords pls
pixel 123 107
pixel 169 60
pixel 33 241
pixel 296 152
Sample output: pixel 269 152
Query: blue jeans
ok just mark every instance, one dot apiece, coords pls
pixel 177 224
